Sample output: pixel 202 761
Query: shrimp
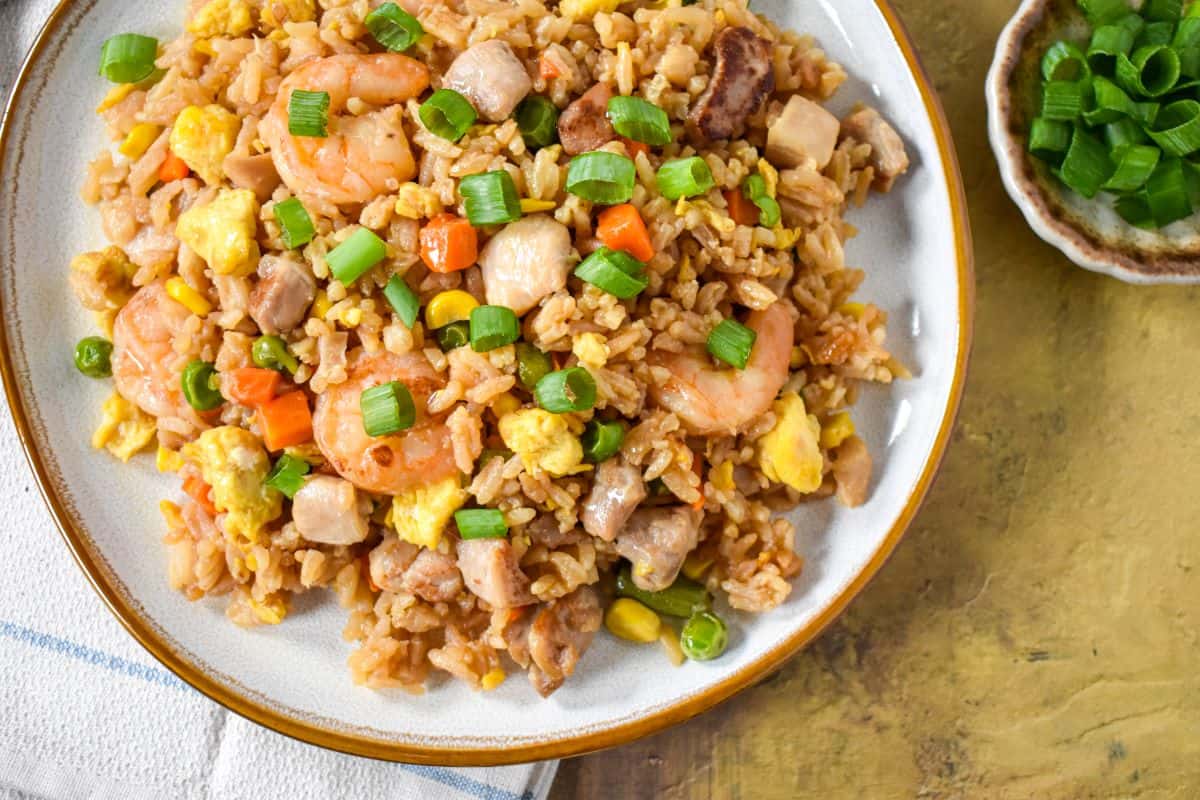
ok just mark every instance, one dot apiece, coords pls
pixel 420 455
pixel 363 156
pixel 146 367
pixel 724 401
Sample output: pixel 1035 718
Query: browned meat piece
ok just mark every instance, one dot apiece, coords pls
pixel 615 495
pixel 491 76
pixel 256 173
pixel 389 560
pixel 742 78
pixel 657 540
pixel 282 295
pixel 544 531
pixel 583 126
pixel 887 148
pixel 489 568
pixel 434 577
pixel 852 471
pixel 559 635
pixel 804 132
pixel 511 627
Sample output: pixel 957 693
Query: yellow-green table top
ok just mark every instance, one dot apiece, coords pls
pixel 1037 634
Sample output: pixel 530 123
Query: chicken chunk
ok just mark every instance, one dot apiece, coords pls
pixel 887 148
pixel 283 294
pixel 400 566
pixel 491 76
pixel 583 126
pixel 616 493
pixel 490 570
pixel 559 636
pixel 326 510
pixel 526 261
pixel 805 132
pixel 657 541
pixel 742 78
pixel 256 173
pixel 852 471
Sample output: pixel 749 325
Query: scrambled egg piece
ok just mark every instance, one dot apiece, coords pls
pixel 415 201
pixel 125 428
pixel 235 464
pixel 711 215
pixel 223 232
pixel 222 18
pixel 770 176
pixel 591 349
pixel 277 12
pixel 790 453
pixel 420 515
pixel 271 610
pixel 543 441
pixel 586 9
pixel 103 280
pixel 202 137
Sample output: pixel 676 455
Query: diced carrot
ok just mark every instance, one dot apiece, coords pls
pixel 633 148
pixel 546 68
pixel 741 210
pixel 622 228
pixel 173 169
pixel 195 488
pixel 252 386
pixel 449 244
pixel 285 421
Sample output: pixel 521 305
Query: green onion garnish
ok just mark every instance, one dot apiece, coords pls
pixel 1135 164
pixel 755 190
pixel 1167 193
pixel 634 118
pixel 731 342
pixel 350 259
pixel 602 440
pixel 537 118
pixel 270 352
pixel 93 357
pixel 1064 61
pixel 490 198
pixel 402 300
pixel 308 113
pixel 1134 209
pixel 453 336
pixel 492 327
pixel 1086 166
pixel 481 523
pixel 296 226
pixel 1102 12
pixel 128 58
pixel 393 27
pixel 201 387
pixel 447 114
pixel 614 271
pixel 387 409
pixel 566 390
pixel 1062 100
pixel 1152 70
pixel 1164 10
pixel 1049 139
pixel 1123 133
pixel 684 177
pixel 1177 129
pixel 1154 34
pixel 1108 42
pixel 287 475
pixel 532 365
pixel 601 177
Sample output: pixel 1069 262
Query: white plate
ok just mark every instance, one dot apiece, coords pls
pixel 914 245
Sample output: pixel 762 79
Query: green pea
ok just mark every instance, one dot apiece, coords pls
pixel 532 365
pixel 93 357
pixel 454 335
pixel 270 352
pixel 201 386
pixel 704 636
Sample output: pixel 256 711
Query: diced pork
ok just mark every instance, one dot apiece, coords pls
pixel 490 570
pixel 256 173
pixel 852 471
pixel 559 636
pixel 805 133
pixel 399 566
pixel 656 541
pixel 544 531
pixel 887 148
pixel 526 261
pixel 491 76
pixel 388 561
pixel 326 510
pixel 742 78
pixel 616 493
pixel 583 126
pixel 283 294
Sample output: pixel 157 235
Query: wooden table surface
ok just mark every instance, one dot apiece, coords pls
pixel 1036 634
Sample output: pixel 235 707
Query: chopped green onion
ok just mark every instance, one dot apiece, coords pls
pixel 1122 133
pixel 755 190
pixel 393 27
pixel 1107 43
pixel 1189 61
pixel 128 58
pixel 1110 103
pixel 387 409
pixel 296 226
pixel 1167 193
pixel 1163 10
pixel 537 119
pixel 1134 209
pixel 1152 70
pixel 1086 165
pixel 634 118
pixel 602 440
pixel 684 177
pixel 1177 130
pixel 1102 12
pixel 201 386
pixel 754 187
pixel 704 636
pixel 1135 164
pixel 481 523
pixel 93 357
pixel 447 114
pixel 532 365
pixel 353 257
pixel 732 342
pixel 492 327
pixel 1187 33
pixel 614 271
pixel 287 475
pixel 1154 34
pixel 682 598
pixel 402 300
pixel 1131 22
pixel 1049 139
pixel 308 113
pixel 601 177
pixel 1062 100
pixel 490 198
pixel 1064 61
pixel 270 352
pixel 452 336
pixel 566 390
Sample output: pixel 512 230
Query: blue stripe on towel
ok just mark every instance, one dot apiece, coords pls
pixel 456 780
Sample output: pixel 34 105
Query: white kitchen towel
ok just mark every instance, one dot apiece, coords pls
pixel 85 712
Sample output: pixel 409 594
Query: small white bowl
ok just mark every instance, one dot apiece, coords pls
pixel 1089 232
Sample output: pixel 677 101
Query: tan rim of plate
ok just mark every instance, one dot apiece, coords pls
pixel 143 631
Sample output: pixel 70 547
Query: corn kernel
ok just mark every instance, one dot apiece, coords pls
pixel 167 460
pixel 193 301
pixel 696 566
pixel 505 404
pixel 447 307
pixel 531 206
pixel 139 140
pixel 631 620
pixel 855 310
pixel 721 476
pixel 837 430
pixel 799 357
pixel 352 317
pixel 670 643
pixel 115 95
pixel 492 679
pixel 785 238
pixel 321 304
pixel 271 612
